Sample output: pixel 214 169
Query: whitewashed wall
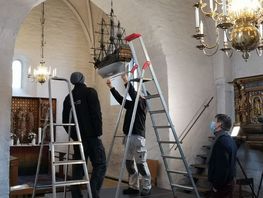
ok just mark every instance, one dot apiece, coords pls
pixel 66 49
pixel 185 75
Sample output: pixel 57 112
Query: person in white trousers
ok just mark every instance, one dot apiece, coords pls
pixel 137 152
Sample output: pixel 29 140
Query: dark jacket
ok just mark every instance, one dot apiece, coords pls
pixel 222 162
pixel 88 112
pixel 139 123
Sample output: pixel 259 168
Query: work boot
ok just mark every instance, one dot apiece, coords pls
pixel 145 192
pixel 130 191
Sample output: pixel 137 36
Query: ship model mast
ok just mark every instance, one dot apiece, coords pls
pixel 112 54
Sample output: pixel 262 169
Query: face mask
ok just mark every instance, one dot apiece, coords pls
pixel 213 127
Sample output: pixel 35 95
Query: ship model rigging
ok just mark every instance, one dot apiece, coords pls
pixel 112 53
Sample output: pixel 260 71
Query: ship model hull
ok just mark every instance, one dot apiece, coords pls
pixel 115 63
pixel 113 54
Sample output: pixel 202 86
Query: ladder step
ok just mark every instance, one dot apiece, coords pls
pixel 70 183
pixel 200 176
pixel 157 111
pixel 44 186
pixel 182 187
pixel 66 143
pixel 69 162
pixel 152 96
pixel 177 172
pixel 203 189
pixel 167 142
pixel 119 136
pixel 204 156
pixel 63 124
pixel 211 138
pixel 138 79
pixel 207 147
pixel 171 157
pixel 202 166
pixel 162 127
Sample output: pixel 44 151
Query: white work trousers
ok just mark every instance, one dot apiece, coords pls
pixel 137 151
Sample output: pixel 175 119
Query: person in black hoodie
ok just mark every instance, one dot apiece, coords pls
pixel 90 124
pixel 222 159
pixel 137 149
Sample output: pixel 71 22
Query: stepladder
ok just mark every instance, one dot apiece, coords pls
pixel 175 163
pixel 55 146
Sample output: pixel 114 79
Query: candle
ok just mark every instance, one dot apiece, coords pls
pixel 29 70
pixel 196 17
pixel 54 72
pixel 224 7
pixel 261 30
pixel 211 5
pixel 201 27
pixel 39 135
pixel 49 70
pixel 225 37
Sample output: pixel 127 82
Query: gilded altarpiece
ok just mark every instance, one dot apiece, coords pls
pixel 28 114
pixel 249 102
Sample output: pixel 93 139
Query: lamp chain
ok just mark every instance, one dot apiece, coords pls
pixel 42 21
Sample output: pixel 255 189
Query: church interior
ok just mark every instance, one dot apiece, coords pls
pixel 197 82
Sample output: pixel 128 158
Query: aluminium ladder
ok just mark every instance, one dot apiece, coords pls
pixel 53 144
pixel 157 128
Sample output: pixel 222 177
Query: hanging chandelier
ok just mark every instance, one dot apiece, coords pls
pixel 238 23
pixel 41 73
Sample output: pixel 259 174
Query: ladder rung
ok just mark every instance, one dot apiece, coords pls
pixel 70 183
pixel 199 165
pixel 167 142
pixel 207 146
pixel 182 187
pixel 119 136
pixel 20 187
pixel 66 143
pixel 171 157
pixel 203 189
pixel 69 162
pixel 138 79
pixel 62 124
pixel 45 186
pixel 162 127
pixel 177 172
pixel 199 176
pixel 152 96
pixel 204 156
pixel 157 111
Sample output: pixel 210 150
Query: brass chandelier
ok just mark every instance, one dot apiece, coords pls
pixel 237 22
pixel 41 73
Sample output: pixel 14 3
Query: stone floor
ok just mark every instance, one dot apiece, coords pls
pixel 110 193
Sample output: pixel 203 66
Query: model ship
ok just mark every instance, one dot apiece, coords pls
pixel 112 53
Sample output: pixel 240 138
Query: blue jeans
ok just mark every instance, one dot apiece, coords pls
pixel 94 150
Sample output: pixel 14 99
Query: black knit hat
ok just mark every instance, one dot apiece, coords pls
pixel 77 78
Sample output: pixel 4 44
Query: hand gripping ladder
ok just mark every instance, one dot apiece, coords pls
pixel 157 128
pixel 54 145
